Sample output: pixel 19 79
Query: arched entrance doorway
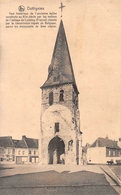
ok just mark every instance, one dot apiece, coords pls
pixel 56 151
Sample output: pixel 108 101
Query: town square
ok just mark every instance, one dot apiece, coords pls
pixel 60 105
pixel 59 179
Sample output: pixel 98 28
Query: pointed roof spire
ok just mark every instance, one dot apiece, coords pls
pixel 60 70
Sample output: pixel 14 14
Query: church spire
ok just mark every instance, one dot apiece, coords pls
pixel 60 70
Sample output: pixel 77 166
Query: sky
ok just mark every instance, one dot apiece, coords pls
pixel 93 33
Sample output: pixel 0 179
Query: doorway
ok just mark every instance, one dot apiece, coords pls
pixel 56 151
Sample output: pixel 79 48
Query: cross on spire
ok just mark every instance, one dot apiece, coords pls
pixel 61 7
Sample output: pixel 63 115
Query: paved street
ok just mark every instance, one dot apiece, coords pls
pixel 84 190
pixel 116 170
pixel 57 180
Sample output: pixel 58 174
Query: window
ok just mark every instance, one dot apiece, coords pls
pixel 56 127
pixel 19 152
pixel 34 152
pixel 114 153
pixel 51 98
pixel 109 152
pixel 13 151
pixel 76 101
pixel 29 151
pixel 61 95
pixel 23 152
pixel 9 151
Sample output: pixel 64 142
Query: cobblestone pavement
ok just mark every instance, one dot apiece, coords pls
pixel 69 190
pixel 79 180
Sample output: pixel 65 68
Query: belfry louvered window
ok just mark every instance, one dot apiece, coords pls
pixel 61 98
pixel 51 98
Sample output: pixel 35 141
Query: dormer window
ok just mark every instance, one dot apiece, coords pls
pixel 51 98
pixel 61 96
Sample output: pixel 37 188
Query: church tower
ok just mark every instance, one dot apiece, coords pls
pixel 60 141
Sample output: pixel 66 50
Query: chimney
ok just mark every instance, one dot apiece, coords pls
pixel 119 142
pixel 23 137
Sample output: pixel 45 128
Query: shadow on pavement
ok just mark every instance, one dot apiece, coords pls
pixel 53 178
pixel 55 183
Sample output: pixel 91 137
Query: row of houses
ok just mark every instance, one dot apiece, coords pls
pixel 102 151
pixel 26 151
pixel 22 151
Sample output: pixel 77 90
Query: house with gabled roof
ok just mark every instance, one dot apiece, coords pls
pixel 33 152
pixel 7 149
pixel 21 152
pixel 103 150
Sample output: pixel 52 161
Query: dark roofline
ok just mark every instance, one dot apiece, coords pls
pixel 118 148
pixel 100 139
pixel 20 144
pixel 29 137
pixel 6 137
pixel 10 144
pixel 28 140
pixel 55 85
pixel 107 139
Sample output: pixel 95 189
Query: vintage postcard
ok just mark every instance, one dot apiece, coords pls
pixel 60 97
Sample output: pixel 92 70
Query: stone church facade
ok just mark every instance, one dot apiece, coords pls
pixel 60 141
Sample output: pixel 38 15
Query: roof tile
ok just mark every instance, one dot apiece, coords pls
pixel 6 141
pixel 105 142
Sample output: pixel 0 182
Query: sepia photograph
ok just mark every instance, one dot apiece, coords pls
pixel 60 97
